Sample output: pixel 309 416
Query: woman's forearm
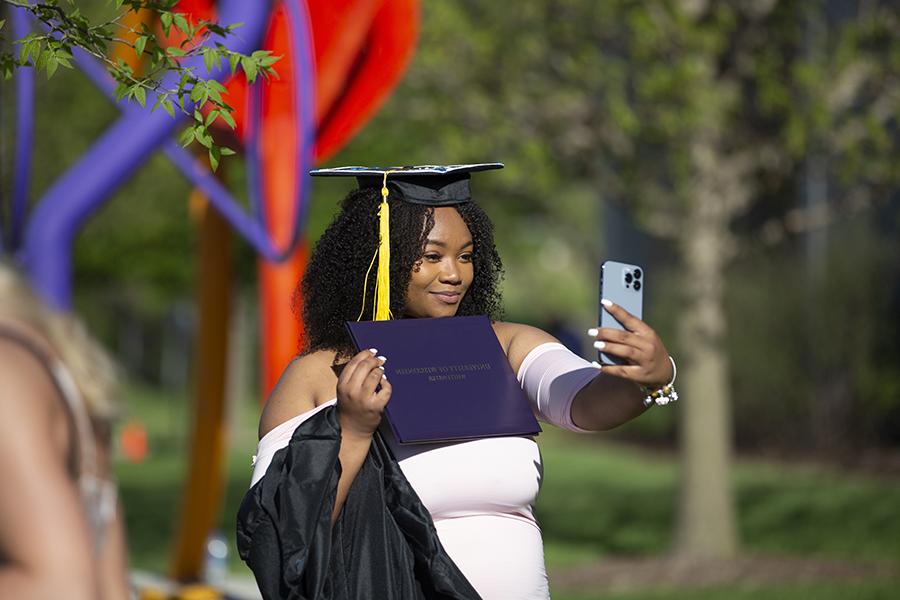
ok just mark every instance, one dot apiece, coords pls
pixel 607 402
pixel 354 449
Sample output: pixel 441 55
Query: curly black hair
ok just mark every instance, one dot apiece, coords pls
pixel 331 289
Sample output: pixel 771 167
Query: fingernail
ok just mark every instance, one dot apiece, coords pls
pixel 384 377
pixel 382 359
pixel 593 331
pixel 381 367
pixel 373 350
pixel 596 365
pixel 599 345
pixel 606 303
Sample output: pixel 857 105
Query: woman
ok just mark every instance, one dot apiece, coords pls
pixel 443 262
pixel 60 535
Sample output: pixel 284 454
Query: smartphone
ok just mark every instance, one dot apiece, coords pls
pixel 623 284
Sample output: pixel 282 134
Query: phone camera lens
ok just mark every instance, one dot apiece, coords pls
pixel 628 278
pixel 637 273
pixel 637 285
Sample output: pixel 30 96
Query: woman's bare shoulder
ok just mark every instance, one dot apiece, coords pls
pixel 519 339
pixel 306 382
pixel 29 400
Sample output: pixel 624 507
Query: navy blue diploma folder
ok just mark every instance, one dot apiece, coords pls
pixel 451 379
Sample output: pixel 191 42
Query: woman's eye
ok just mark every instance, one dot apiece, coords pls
pixel 432 257
pixel 467 257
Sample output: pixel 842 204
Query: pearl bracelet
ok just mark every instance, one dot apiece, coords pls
pixel 665 394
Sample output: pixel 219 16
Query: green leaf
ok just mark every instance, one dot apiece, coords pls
pixel 214 93
pixel 64 58
pixel 52 64
pixel 167 105
pixel 233 60
pixel 41 61
pixel 250 68
pixel 175 51
pixel 186 137
pixel 182 23
pixel 166 19
pixel 226 151
pixel 140 94
pixel 184 79
pixel 212 84
pixel 208 58
pixel 139 44
pixel 2 23
pixel 211 117
pixel 226 116
pixel 268 61
pixel 25 50
pixel 214 155
pixel 203 136
pixel 199 93
pixel 121 91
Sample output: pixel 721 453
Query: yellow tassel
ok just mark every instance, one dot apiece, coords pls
pixel 383 275
pixel 381 307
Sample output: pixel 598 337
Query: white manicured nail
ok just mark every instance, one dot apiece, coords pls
pixel 384 377
pixel 606 303
pixel 599 345
pixel 596 365
pixel 373 350
pixel 382 359
pixel 593 331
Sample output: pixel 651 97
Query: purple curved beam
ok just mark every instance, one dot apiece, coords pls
pixel 24 138
pixel 108 163
pixel 304 101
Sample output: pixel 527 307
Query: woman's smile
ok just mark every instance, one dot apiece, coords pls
pixel 448 297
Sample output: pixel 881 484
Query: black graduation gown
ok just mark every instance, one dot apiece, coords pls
pixel 383 545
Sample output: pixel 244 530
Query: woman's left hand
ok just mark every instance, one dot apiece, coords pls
pixel 648 359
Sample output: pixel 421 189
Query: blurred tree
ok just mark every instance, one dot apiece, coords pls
pixel 706 120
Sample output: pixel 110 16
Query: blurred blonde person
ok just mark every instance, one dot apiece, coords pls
pixel 61 534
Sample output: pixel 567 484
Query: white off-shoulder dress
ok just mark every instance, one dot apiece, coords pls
pixel 481 493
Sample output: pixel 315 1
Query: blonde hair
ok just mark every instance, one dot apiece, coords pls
pixel 88 363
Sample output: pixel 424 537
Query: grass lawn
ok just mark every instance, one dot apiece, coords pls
pixel 598 499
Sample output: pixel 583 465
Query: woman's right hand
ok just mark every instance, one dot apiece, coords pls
pixel 359 405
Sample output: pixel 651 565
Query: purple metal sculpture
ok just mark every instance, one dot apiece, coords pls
pixel 24 138
pixel 46 251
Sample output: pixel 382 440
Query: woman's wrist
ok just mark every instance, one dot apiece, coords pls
pixel 669 379
pixel 352 430
pixel 664 393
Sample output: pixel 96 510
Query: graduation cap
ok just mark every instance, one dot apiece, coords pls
pixel 431 185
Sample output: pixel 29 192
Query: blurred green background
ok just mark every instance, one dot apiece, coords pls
pixel 746 153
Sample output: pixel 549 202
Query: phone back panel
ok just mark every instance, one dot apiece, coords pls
pixel 617 284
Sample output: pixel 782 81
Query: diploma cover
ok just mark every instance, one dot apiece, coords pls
pixel 451 379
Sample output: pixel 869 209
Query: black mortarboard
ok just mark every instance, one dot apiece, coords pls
pixel 432 185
